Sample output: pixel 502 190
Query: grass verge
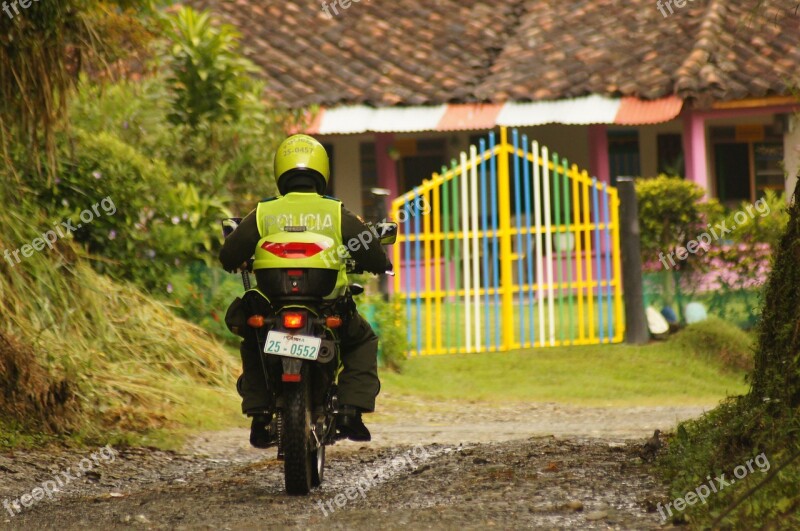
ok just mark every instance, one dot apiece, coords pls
pixel 660 373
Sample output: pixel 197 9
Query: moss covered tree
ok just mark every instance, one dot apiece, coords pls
pixel 777 363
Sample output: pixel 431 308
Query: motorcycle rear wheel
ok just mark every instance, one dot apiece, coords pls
pixel 300 454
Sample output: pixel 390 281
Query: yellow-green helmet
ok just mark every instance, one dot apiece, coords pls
pixel 298 153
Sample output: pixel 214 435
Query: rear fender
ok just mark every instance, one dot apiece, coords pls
pixel 292 365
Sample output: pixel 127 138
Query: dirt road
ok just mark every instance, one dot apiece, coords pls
pixel 533 466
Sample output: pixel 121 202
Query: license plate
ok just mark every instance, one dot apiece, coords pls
pixel 291 346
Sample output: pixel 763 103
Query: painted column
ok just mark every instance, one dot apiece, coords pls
pixel 387 168
pixel 791 154
pixel 599 164
pixel 694 149
pixel 598 152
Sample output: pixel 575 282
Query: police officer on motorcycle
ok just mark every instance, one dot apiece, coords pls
pixel 302 171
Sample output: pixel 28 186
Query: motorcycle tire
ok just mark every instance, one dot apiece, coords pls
pixel 299 461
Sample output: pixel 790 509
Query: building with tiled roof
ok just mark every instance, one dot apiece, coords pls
pixel 697 87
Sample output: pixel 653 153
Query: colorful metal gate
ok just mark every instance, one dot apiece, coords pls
pixel 509 248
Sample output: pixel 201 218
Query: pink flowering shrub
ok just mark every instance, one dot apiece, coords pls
pixel 737 266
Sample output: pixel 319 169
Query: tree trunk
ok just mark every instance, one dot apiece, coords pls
pixel 777 361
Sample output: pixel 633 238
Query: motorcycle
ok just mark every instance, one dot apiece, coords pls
pixel 296 331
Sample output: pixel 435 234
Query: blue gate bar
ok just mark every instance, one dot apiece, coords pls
pixel 607 247
pixel 517 212
pixel 495 243
pixel 597 251
pixel 485 242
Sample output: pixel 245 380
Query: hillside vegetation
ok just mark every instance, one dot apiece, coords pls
pixel 764 422
pixel 84 355
pixel 160 122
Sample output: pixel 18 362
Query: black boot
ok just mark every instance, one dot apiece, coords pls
pixel 350 425
pixel 262 434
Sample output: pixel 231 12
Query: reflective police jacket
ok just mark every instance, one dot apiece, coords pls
pixel 319 214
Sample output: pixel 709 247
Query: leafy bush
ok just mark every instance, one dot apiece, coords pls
pixel 153 224
pixel 391 330
pixel 766 228
pixel 134 112
pixel 729 274
pixel 717 340
pixel 201 113
pixel 228 161
pixel 671 212
pixel 179 149
pixel 201 294
pixel 208 78
pixel 228 134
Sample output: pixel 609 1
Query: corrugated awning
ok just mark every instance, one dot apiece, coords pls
pixel 470 116
pixel 363 119
pixel 633 111
pixel 576 111
pixel 479 116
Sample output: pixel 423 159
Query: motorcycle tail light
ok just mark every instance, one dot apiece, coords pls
pixel 293 320
pixel 291 377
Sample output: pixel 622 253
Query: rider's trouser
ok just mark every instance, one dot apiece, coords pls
pixel 358 381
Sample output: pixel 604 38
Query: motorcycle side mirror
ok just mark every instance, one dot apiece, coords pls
pixel 229 225
pixel 388 232
pixel 356 289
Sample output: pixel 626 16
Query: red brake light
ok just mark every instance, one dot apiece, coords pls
pixel 293 249
pixel 293 320
pixel 291 377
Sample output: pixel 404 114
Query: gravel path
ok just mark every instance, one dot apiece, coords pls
pixel 538 466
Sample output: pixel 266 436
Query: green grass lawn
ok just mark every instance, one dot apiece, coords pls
pixel 606 375
pixel 451 319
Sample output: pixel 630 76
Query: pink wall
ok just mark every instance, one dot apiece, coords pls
pixel 598 153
